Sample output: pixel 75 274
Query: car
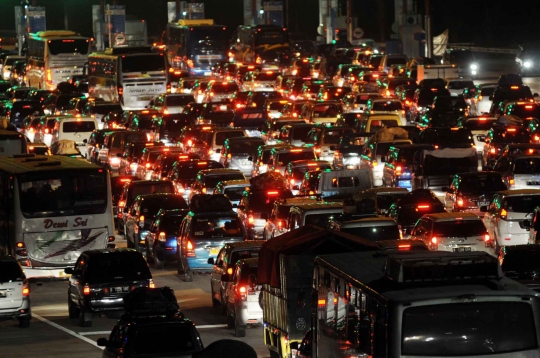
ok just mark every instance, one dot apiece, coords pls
pixel 369 228
pixel 129 158
pixel 165 162
pixel 207 179
pixel 277 221
pixel 101 279
pixel 155 316
pixel 446 137
pixel 183 173
pixel 481 103
pixel 479 127
pixel 145 164
pixel 457 85
pixel 295 171
pixel 243 308
pixel 505 213
pixel 373 156
pixel 220 91
pixel 232 189
pixel 236 152
pixel 211 141
pixel 117 187
pixel 161 244
pixel 210 224
pixel 519 263
pixel 280 157
pixel 94 142
pixel 225 263
pixel 295 133
pixel 260 160
pixel 399 164
pixel 171 103
pixel 386 105
pixel 454 232
pixel 140 216
pixel 318 213
pixel 470 191
pixel 14 292
pixel 325 140
pixel 408 210
pixel 496 141
pixel 115 144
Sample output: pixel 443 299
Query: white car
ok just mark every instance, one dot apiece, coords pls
pixel 171 103
pixel 386 105
pixel 454 232
pixel 504 216
pixel 371 158
pixel 479 127
pixel 482 103
pixel 457 85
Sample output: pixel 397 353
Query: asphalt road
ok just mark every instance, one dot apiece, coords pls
pixel 53 335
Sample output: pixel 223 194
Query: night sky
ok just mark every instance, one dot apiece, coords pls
pixel 484 22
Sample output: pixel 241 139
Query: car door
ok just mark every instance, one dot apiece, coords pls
pixel 75 282
pixel 450 196
pixel 490 218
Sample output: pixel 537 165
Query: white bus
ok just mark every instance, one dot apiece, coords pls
pixel 132 76
pixel 52 208
pixel 55 56
pixel 419 303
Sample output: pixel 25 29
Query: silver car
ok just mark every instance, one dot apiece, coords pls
pixel 14 292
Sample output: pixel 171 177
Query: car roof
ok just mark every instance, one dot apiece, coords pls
pixel 117 251
pixel 520 192
pixel 452 216
pixel 369 221
pixel 235 182
pixel 173 212
pixel 243 244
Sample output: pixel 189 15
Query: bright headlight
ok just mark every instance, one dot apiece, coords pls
pixel 527 64
pixel 474 66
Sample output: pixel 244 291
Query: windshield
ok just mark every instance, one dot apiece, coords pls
pixel 143 63
pixel 527 166
pixel 481 184
pixel 468 329
pixel 271 37
pixel 300 133
pixel 285 158
pixel 68 46
pixel 459 228
pixel 521 204
pixel 150 207
pixel 216 227
pixel 266 76
pixel 210 181
pixel 374 233
pixel 223 135
pixel 163 339
pixel 182 100
pixel 10 271
pixel 396 61
pixel 76 127
pixel 112 267
pixel 234 193
pixel 173 123
pixel 61 193
pixel 375 61
pixel 333 136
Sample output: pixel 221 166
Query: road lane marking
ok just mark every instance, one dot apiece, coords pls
pixel 207 326
pixel 95 333
pixel 68 331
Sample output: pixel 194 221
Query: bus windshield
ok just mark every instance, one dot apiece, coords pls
pixel 143 63
pixel 68 46
pixel 270 37
pixel 63 193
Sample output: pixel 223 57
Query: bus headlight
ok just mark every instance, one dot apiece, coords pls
pixel 527 64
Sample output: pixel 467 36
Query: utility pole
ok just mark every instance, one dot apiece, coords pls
pixel 349 21
pixel 178 10
pixel 429 37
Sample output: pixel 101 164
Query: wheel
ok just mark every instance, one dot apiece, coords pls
pixel 72 309
pixel 85 318
pixel 188 276
pixel 130 243
pixel 24 322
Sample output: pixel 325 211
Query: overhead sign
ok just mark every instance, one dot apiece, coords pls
pixel 120 38
pixel 116 16
pixel 36 18
pixel 358 33
pixel 273 11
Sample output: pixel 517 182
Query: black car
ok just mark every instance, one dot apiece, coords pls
pixel 520 263
pixel 161 244
pixel 153 326
pixel 101 279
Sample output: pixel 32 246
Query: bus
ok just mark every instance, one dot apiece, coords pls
pixel 131 76
pixel 54 56
pixel 196 45
pixel 52 208
pixel 261 44
pixel 419 303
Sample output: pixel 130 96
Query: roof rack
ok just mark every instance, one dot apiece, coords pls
pixel 446 267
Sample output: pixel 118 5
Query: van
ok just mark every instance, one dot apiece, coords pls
pixel 318 213
pixel 77 129
pixel 336 184
pixel 373 122
pixel 114 145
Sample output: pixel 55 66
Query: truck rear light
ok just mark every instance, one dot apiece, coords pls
pixel 86 290
pixel 190 252
pixel 26 290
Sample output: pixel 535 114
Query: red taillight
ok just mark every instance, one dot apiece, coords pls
pixel 434 240
pixel 151 284
pixel 398 170
pixel 86 290
pixel 121 203
pixel 120 90
pixel 273 192
pixel 460 202
pixel 321 303
pixel 26 291
pixel 492 150
pixel 147 165
pixel 190 252
pixel 242 291
pixel 251 221
pixel 189 143
pixel 423 206
pixel 404 247
pixel 487 237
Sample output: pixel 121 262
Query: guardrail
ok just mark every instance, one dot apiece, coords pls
pixel 483 49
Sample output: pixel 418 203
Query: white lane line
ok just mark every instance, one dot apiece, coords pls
pixel 211 326
pixel 96 333
pixel 68 331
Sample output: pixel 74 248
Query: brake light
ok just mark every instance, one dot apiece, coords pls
pixel 292 181
pixel 242 292
pixel 120 90
pixel 487 237
pixel 511 130
pixel 86 290
pixel 121 203
pixel 321 303
pixel 398 170
pixel 141 218
pixel 26 290
pixel 242 289
pixel 202 163
pixel 296 150
pixel 460 202
pixel 203 190
pixel 404 247
pixel 528 107
pixel 273 193
pixel 434 240
pixel 504 214
pixel 190 252
pixel 251 221
pixel 423 207
pixel 492 150
pixel 514 87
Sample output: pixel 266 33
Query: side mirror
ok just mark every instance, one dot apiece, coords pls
pixel 69 270
pixel 225 278
pixel 252 280
pixel 102 342
pixel 484 209
pixel 210 261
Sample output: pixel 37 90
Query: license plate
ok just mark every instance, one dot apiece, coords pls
pixel 3 294
pixel 214 251
pixel 120 289
pixel 533 182
pixel 222 108
pixel 483 203
pixel 462 249
pixel 207 73
pixel 145 98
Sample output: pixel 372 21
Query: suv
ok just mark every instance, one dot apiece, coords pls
pixel 454 232
pixel 260 160
pixel 386 105
pixel 210 224
pixel 236 153
pixel 161 242
pixel 295 171
pixel 145 165
pixel 398 166
pixel 224 264
pixel 213 140
pixel 129 159
pixel 101 279
pixel 325 140
pixel 471 191
pixel 208 179
pixel 276 224
pixel 14 292
pixel 504 216
pixel 170 103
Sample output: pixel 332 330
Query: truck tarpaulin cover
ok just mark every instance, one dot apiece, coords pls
pixel 306 240
pixel 268 180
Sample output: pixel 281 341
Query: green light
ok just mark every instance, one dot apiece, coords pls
pixel 333 42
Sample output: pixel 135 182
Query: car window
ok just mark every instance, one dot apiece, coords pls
pixel 10 271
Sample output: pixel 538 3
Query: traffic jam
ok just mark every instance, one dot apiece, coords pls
pixel 332 200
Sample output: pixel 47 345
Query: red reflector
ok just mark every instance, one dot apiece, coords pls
pixel 125 180
pixel 511 130
pixel 423 206
pixel 404 247
pixel 273 193
pixel 529 107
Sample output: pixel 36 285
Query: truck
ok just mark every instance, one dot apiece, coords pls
pixel 436 71
pixel 286 274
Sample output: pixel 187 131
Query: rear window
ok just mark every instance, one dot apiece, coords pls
pixel 374 233
pixel 460 84
pixel 106 109
pixel 459 228
pixel 377 124
pixel 467 329
pixel 178 100
pixel 333 136
pixel 210 181
pixel 521 204
pixel 75 127
pixel 164 339
pixel 221 87
pixel 247 147
pixel 216 227
pixel 410 215
pixel 109 267
pixel 151 188
pixel 150 208
pixel 396 61
pixel 170 224
pixel 345 182
pixel 10 271
pixel 479 125
pixel 245 254
pixel 222 136
pixel 320 220
pixel 285 158
pixel 266 76
pixel 300 133
pixel 234 193
pixel 487 91
pixel 527 166
pixel 481 184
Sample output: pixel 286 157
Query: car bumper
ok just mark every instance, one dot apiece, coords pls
pixel 478 248
pixel 251 316
pixel 513 239
pixel 106 304
pixel 165 252
pixel 23 311
pixel 46 273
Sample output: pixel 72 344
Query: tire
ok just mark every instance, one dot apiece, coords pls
pixel 24 322
pixel 85 318
pixel 188 276
pixel 73 310
pixel 130 244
